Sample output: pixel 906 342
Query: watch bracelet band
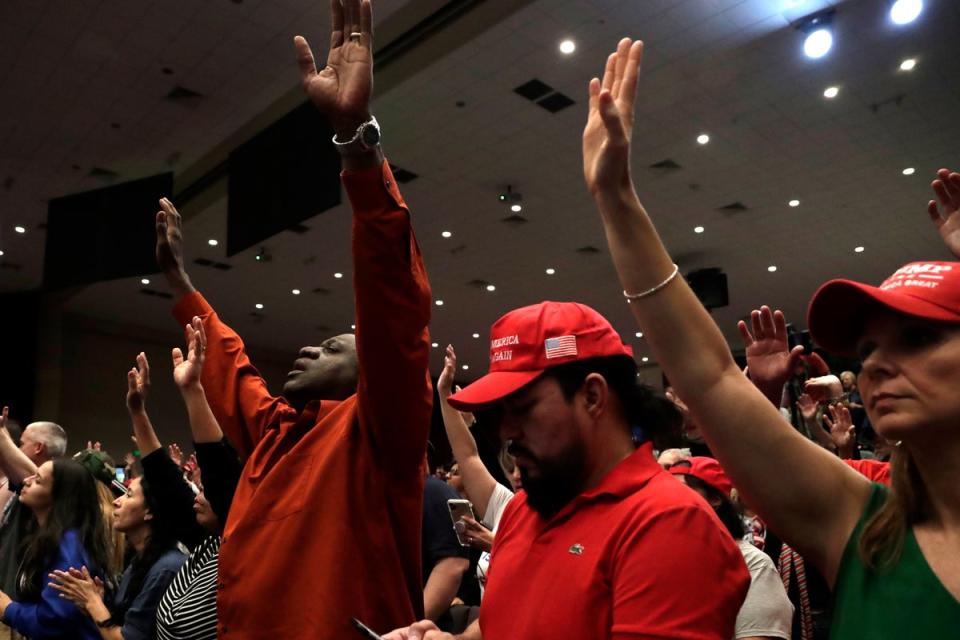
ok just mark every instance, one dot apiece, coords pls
pixel 356 135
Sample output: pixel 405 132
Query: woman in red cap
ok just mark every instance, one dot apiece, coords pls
pixel 891 555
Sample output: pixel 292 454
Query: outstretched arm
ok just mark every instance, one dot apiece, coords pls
pixel 478 482
pixel 802 491
pixel 237 393
pixel 390 281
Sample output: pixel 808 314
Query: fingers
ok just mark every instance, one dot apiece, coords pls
pixel 366 23
pixel 308 68
pixel 766 321
pixel 132 381
pixel 628 90
pixel 3 417
pixel 779 325
pixel 609 72
pixel 795 357
pixel 934 213
pixel 745 336
pixel 144 369
pixel 757 324
pixel 418 630
pixel 198 326
pixel 623 50
pixel 351 16
pixel 336 24
pixel 177 355
pixel 593 91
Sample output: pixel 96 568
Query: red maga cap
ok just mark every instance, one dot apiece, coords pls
pixel 706 469
pixel 527 341
pixel 839 308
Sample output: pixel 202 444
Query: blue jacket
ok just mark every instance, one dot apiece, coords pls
pixel 53 616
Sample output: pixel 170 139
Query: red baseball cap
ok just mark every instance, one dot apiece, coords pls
pixel 706 469
pixel 839 308
pixel 527 341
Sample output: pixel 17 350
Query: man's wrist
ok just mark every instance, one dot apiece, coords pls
pixel 180 283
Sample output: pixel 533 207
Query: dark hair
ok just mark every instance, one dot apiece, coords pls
pixel 643 406
pixel 727 511
pixel 76 506
pixel 161 539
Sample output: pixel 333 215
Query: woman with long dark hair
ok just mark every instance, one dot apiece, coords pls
pixel 69 532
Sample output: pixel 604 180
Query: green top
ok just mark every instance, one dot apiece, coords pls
pixel 906 600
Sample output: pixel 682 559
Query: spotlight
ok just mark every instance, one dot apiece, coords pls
pixel 144 280
pixel 908 64
pixel 909 171
pixel 905 11
pixel 567 47
pixel 819 38
pixel 831 92
pixel 703 138
pixel 20 229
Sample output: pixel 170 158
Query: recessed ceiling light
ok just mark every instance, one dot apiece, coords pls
pixel 703 138
pixel 1 252
pixel 551 271
pixel 698 229
pixel 567 47
pixel 476 335
pixel 338 275
pixel 439 303
pixel 491 287
pixel 831 92
pixel 905 11
pixel 908 64
pixel 446 234
pixel 258 306
pixel 644 359
pixel 19 229
pixel 639 334
pixel 858 249
pixel 772 268
pixel 794 203
pixel 353 327
pixel 144 280
pixel 465 367
pixel 818 43
pixel 516 208
pixel 909 171
pixel 434 344
pixel 295 292
pixel 213 242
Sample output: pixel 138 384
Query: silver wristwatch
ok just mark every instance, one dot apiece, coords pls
pixel 366 137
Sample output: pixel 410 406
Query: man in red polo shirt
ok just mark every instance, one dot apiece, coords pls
pixel 325 523
pixel 601 542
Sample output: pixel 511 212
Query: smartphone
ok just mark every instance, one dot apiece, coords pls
pixel 460 509
pixel 120 474
pixel 365 631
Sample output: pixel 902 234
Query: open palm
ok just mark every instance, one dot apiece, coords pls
pixel 342 89
pixel 946 215
pixel 770 360
pixel 187 370
pixel 606 136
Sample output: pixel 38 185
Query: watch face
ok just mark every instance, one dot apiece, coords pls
pixel 370 136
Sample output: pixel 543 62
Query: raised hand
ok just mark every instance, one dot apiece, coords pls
pixel 138 385
pixel 170 248
pixel 606 137
pixel 807 407
pixel 445 381
pixel 176 454
pixel 842 431
pixel 186 371
pixel 947 215
pixel 342 89
pixel 770 361
pixel 824 388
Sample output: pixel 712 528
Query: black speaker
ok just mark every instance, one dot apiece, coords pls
pixel 710 285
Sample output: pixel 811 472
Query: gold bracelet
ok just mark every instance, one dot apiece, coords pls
pixel 652 290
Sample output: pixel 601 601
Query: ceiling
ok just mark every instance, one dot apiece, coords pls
pixel 85 83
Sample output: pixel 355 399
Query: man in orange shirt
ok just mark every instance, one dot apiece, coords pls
pixel 325 524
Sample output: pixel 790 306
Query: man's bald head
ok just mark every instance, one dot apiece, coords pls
pixel 43 441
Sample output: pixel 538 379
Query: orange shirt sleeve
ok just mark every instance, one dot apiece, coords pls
pixel 237 394
pixel 392 315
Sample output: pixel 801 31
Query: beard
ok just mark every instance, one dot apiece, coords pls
pixel 558 481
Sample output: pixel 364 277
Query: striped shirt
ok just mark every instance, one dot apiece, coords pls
pixel 188 610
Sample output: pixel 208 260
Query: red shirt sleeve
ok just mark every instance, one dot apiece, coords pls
pixel 237 394
pixel 873 470
pixel 680 576
pixel 393 300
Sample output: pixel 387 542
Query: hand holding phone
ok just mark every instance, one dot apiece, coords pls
pixel 460 509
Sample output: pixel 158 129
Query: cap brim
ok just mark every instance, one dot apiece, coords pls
pixel 840 308
pixel 491 388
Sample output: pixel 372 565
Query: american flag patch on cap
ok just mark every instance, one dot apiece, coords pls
pixel 560 347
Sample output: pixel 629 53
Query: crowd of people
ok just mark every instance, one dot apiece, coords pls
pixel 781 500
